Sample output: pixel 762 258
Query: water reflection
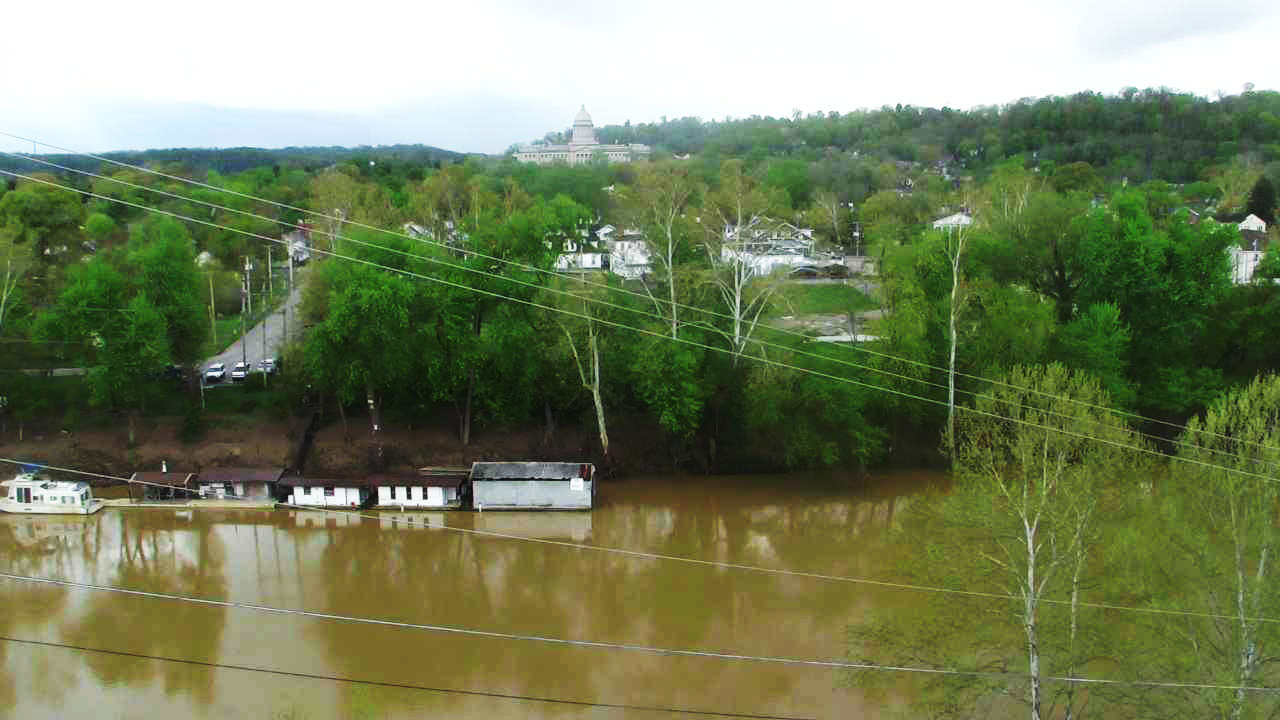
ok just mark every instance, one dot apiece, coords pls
pixel 387 567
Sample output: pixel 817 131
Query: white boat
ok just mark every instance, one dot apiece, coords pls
pixel 31 495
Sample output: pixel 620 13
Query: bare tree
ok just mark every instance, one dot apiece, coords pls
pixel 954 244
pixel 17 259
pixel 658 205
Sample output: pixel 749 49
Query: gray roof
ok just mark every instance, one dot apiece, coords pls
pixel 171 479
pixel 233 475
pixel 530 470
pixel 323 482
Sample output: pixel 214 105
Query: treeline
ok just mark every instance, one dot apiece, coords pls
pixel 1062 264
pixel 1139 134
pixel 198 161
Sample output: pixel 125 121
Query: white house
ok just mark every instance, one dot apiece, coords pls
pixel 320 492
pixel 1254 223
pixel 1243 264
pixel 417 491
pixel 629 259
pixel 953 221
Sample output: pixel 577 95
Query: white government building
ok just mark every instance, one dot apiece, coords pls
pixel 582 147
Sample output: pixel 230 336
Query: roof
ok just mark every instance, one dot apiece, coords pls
pixel 172 479
pixel 530 470
pixel 1252 222
pixel 323 482
pixel 408 480
pixel 253 475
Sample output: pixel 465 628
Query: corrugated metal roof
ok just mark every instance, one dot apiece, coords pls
pixel 233 475
pixel 530 470
pixel 172 479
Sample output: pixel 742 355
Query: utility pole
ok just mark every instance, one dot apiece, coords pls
pixel 248 281
pixel 244 294
pixel 270 272
pixel 288 293
pixel 213 316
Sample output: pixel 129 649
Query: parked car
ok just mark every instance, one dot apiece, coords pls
pixel 240 371
pixel 216 372
pixel 268 366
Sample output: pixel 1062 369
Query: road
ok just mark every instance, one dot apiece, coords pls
pixel 250 347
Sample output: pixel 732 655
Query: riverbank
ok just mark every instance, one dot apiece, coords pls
pixel 257 441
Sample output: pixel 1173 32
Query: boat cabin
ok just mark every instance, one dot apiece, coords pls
pixel 417 491
pixel 325 492
pixel 532 485
pixel 239 483
pixel 28 493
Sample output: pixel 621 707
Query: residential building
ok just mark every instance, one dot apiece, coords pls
pixel 242 483
pixel 1253 223
pixel 581 148
pixel 953 221
pixel 321 492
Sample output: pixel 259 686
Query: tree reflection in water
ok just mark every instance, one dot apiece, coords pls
pixel 158 552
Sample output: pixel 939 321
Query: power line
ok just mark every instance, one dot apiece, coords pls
pixel 644 331
pixel 536 269
pixel 603 645
pixel 645 313
pixel 395 685
pixel 888 584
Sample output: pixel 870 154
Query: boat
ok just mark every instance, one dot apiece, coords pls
pixel 31 495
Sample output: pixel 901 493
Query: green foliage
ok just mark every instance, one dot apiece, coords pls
pixel 668 377
pixel 1097 342
pixel 1262 200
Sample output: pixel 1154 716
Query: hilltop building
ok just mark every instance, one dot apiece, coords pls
pixel 582 147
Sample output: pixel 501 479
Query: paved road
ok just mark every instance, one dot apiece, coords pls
pixel 250 347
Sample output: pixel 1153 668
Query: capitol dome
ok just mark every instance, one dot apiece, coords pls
pixel 584 132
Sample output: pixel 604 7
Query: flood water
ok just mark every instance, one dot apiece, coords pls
pixel 386 570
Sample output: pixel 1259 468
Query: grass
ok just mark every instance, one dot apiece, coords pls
pixel 820 299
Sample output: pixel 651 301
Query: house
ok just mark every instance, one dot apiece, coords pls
pixel 239 483
pixel 1244 263
pixel 162 486
pixel 1252 223
pixel 532 485
pixel 299 244
pixel 953 221
pixel 629 258
pixel 417 491
pixel 325 492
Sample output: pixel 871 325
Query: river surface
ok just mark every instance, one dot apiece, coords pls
pixel 386 570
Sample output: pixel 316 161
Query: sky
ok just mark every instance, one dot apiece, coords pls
pixel 481 75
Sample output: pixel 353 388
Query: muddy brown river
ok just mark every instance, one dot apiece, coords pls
pixel 384 569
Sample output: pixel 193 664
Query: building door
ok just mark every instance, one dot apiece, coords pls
pixel 24 495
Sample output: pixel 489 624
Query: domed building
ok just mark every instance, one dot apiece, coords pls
pixel 582 147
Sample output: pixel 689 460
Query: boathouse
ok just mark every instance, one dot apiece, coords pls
pixel 417 491
pixel 162 486
pixel 325 492
pixel 239 483
pixel 532 485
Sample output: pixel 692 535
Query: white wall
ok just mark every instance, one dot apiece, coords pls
pixel 342 497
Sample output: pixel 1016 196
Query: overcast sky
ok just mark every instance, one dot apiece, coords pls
pixel 480 75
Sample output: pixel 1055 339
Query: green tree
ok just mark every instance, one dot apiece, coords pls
pixel 1022 516
pixel 163 264
pixel 1223 520
pixel 1262 200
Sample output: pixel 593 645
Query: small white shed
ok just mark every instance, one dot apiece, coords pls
pixel 326 492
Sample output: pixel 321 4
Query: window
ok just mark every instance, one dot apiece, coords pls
pixel 328 492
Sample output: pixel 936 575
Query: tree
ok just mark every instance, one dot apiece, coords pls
pixel 657 205
pixel 133 350
pixel 16 259
pixel 1262 200
pixel 1229 526
pixel 1036 457
pixel 163 264
pixel 740 206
